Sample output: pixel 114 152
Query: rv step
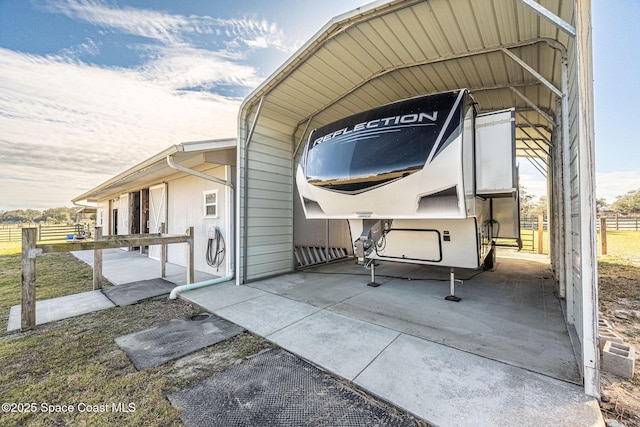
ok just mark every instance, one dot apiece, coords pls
pixel 312 255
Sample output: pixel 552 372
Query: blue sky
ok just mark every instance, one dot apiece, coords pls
pixel 91 87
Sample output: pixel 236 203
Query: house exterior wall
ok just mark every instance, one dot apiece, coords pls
pixel 186 208
pixel 102 216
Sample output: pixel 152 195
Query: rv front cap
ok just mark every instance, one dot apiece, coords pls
pixel 398 121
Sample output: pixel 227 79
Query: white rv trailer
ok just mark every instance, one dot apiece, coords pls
pixel 424 180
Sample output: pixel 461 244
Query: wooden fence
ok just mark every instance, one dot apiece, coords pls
pixel 620 222
pixel 31 248
pixel 13 233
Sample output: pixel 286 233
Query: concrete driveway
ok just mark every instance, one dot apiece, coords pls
pixel 501 356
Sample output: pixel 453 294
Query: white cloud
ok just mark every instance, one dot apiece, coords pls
pixel 609 185
pixel 89 47
pixel 184 67
pixel 168 28
pixel 140 22
pixel 66 125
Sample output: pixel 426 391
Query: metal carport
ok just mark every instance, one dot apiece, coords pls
pixel 533 56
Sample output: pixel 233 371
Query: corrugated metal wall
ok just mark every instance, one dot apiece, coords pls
pixel 575 187
pixel 390 51
pixel 268 223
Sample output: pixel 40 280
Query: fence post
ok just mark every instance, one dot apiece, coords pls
pixel 617 223
pixel 28 302
pixel 163 253
pixel 540 232
pixel 190 268
pixel 603 235
pixel 97 260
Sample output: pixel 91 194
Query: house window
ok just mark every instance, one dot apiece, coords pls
pixel 211 203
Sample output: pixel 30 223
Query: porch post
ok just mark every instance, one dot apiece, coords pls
pixel 163 253
pixel 190 258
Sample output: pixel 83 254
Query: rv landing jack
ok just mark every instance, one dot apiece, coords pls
pixel 453 280
pixel 373 282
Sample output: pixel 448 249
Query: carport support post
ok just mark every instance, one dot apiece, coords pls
pixel 97 261
pixel 28 303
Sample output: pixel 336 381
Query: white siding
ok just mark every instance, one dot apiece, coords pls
pixel 102 216
pixel 123 214
pixel 157 214
pixel 186 208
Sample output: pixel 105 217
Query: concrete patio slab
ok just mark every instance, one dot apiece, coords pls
pixel 61 308
pixel 501 328
pixel 455 388
pixel 390 339
pixel 319 290
pixel 342 345
pixel 267 313
pixel 120 266
pixel 221 295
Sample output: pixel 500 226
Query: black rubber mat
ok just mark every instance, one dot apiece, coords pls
pixel 134 292
pixel 276 388
pixel 175 338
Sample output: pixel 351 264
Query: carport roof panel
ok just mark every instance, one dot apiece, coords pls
pixel 386 51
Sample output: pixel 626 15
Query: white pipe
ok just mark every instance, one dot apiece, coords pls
pixel 190 286
pixel 172 164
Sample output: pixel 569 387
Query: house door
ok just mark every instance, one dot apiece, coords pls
pixel 157 214
pixel 114 220
pixel 123 211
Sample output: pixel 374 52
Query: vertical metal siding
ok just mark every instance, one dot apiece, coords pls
pixel 576 285
pixel 269 219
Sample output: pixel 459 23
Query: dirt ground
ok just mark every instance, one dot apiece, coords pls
pixel 619 295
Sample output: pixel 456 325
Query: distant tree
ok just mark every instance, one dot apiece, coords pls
pixel 540 207
pixel 19 216
pixel 57 214
pixel 627 204
pixel 32 214
pixel 601 205
pixel 528 207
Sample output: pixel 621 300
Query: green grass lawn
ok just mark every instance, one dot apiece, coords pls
pixel 623 245
pixel 77 362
